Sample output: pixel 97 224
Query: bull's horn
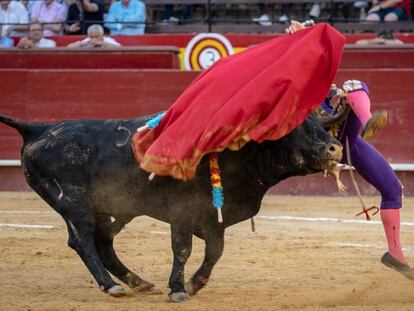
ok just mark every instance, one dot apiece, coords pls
pixel 332 120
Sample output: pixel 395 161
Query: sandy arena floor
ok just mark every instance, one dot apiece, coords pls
pixel 288 264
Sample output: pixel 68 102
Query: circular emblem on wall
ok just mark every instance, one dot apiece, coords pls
pixel 205 49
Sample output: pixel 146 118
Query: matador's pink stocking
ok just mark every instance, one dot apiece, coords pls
pixel 391 221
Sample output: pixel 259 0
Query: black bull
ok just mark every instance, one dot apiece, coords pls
pixel 85 170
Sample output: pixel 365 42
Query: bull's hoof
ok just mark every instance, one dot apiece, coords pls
pixel 116 291
pixel 179 297
pixel 189 287
pixel 147 288
pixel 154 291
pixel 195 284
pixel 143 287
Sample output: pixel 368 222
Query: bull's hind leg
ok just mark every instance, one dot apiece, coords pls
pixel 72 204
pixel 181 237
pixel 104 239
pixel 213 251
pixel 81 239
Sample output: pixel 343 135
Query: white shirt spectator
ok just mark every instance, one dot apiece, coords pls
pixel 95 39
pixel 35 38
pixel 46 43
pixel 85 41
pixel 15 13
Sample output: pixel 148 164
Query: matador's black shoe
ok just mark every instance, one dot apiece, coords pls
pixel 378 121
pixel 393 263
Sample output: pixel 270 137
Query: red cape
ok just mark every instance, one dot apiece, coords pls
pixel 262 93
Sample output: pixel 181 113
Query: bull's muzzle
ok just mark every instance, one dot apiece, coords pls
pixel 335 151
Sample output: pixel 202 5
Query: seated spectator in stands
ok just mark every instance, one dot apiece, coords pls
pixel 348 8
pixel 13 12
pixel 285 16
pixel 73 21
pixel 35 38
pixel 95 39
pixel 315 11
pixel 126 17
pixel 5 41
pixel 185 13
pixel 51 14
pixel 82 14
pixel 389 11
pixel 263 18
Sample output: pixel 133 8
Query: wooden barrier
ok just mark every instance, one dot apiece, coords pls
pixel 165 57
pixel 361 57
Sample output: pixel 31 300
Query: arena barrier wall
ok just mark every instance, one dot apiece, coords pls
pixel 50 95
pixel 144 57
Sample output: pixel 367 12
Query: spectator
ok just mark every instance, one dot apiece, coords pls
pixel 185 13
pixel 50 13
pixel 389 11
pixel 35 38
pixel 14 17
pixel 315 11
pixel 5 41
pixel 95 39
pixel 82 14
pixel 126 17
pixel 362 6
pixel 286 8
pixel 263 18
pixel 73 23
pixel 347 8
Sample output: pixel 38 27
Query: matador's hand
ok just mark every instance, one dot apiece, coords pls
pixel 334 172
pixel 295 25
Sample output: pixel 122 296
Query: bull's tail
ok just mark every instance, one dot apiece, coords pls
pixel 27 130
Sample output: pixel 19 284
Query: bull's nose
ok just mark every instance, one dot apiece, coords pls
pixel 335 150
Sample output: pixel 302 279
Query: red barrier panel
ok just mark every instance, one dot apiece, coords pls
pixel 154 57
pixel 356 57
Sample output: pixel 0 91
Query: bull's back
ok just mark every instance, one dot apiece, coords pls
pixel 90 155
pixel 71 146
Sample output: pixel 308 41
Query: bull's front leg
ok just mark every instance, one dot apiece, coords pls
pixel 214 240
pixel 181 237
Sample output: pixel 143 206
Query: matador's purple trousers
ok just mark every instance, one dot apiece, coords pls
pixel 370 164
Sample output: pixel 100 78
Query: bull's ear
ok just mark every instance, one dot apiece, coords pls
pixel 329 121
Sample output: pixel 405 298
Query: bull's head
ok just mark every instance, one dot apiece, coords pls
pixel 311 148
pixel 307 149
